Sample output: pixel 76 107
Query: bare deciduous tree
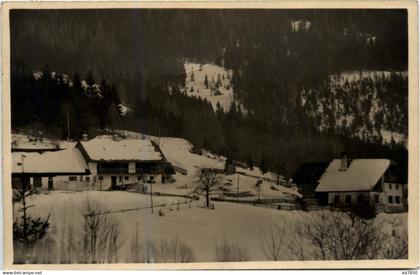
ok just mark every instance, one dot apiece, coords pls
pixel 230 252
pixel 337 236
pixel 396 246
pixel 272 236
pixel 296 245
pixel 208 181
pixel 162 251
pixel 100 235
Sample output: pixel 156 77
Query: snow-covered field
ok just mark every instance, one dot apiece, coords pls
pixel 200 228
pixel 195 84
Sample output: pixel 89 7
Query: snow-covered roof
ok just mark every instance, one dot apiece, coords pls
pixel 105 148
pixel 22 142
pixel 69 161
pixel 361 175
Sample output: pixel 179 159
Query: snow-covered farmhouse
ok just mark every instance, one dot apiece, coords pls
pixel 114 161
pixel 98 164
pixel 46 170
pixel 348 182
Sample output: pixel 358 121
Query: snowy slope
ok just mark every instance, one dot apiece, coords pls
pixel 178 152
pixel 195 84
pixel 356 101
pixel 200 228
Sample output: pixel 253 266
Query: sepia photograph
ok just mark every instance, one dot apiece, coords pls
pixel 209 135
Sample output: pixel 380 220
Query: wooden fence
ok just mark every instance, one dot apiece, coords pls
pixel 269 203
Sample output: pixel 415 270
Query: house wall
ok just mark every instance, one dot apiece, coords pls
pixel 393 190
pixel 96 181
pixel 104 181
pixel 382 204
pixel 342 196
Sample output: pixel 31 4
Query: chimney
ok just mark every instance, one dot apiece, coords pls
pixel 344 161
pixel 85 137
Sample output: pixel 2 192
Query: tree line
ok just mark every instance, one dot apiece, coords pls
pixel 60 106
pixel 68 110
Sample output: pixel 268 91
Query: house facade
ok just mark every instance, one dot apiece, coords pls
pixel 348 182
pixel 114 162
pixel 47 170
pixel 98 164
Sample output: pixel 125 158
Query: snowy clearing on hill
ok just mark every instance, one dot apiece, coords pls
pixel 218 87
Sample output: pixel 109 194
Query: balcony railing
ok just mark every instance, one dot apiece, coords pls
pixel 148 170
pixel 112 171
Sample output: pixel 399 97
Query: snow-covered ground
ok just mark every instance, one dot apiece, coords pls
pixel 195 84
pixel 352 76
pixel 200 228
pixel 178 152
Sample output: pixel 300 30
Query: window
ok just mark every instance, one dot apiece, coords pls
pixel 126 177
pixel 336 199
pixel 397 199
pixel 37 181
pixel 376 198
pixel 390 199
pixel 397 186
pixel 87 179
pixel 390 186
pixel 72 178
pixel 50 183
pixel 360 198
pixel 348 199
pixel 120 178
pixel 101 177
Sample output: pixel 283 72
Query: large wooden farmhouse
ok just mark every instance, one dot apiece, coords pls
pixel 351 181
pixel 102 163
pixel 116 161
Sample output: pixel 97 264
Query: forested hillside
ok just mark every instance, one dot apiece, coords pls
pixel 286 67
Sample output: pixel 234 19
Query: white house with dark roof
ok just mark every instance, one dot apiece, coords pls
pixel 115 161
pixel 348 182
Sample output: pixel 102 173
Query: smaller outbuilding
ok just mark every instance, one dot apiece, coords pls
pixel 306 179
pixel 44 170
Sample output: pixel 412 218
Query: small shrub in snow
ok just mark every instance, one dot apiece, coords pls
pixel 100 235
pixel 229 252
pixel 339 236
pixel 272 239
pixel 162 251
